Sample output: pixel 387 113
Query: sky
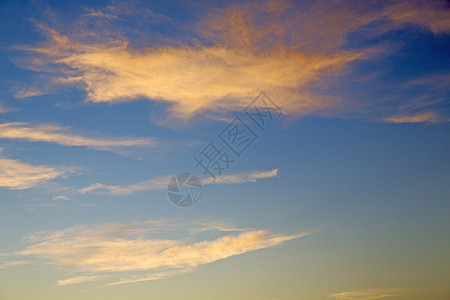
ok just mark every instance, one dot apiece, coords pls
pixel 278 150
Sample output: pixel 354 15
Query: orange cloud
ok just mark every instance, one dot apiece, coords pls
pixel 17 175
pixel 417 118
pixel 78 279
pixel 194 80
pixel 50 133
pixel 222 76
pixel 289 52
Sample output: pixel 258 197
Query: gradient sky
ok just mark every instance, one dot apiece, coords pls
pixel 343 196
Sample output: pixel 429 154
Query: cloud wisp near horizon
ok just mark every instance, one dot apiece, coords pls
pixel 113 250
pixel 371 294
pixel 230 55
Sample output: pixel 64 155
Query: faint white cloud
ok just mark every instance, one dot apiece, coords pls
pixel 435 81
pixel 12 264
pixel 202 226
pixel 371 294
pixel 65 198
pixel 50 133
pixel 252 176
pixel 17 175
pixel 29 91
pixel 134 251
pixel 6 217
pixel 162 182
pixel 148 185
pixel 42 206
pixel 155 276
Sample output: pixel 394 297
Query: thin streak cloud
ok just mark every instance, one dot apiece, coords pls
pixel 77 279
pixel 12 264
pixel 371 294
pixel 161 183
pixel 417 118
pixel 215 225
pixel 29 91
pixel 244 177
pixel 49 133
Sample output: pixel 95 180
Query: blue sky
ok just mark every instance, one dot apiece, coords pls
pixel 343 196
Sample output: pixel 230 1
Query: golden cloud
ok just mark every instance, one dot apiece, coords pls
pixel 126 247
pixel 231 56
pixel 17 175
pixel 50 133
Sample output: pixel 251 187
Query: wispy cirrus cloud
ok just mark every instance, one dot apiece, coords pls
pixel 161 183
pixel 417 118
pixel 243 177
pixel 78 279
pixel 147 185
pixel 29 91
pixel 288 51
pixel 17 175
pixel 50 133
pixel 120 10
pixel 427 100
pixel 65 198
pixel 209 225
pixel 156 276
pixel 3 108
pixel 371 294
pixel 12 264
pixel 127 252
